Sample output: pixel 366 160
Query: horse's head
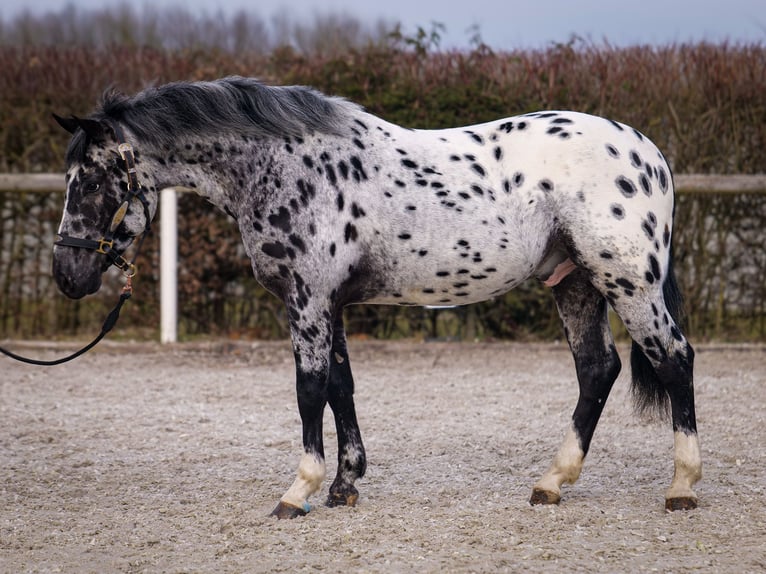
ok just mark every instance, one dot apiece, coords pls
pixel 105 207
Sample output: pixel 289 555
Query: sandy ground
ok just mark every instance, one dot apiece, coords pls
pixel 138 458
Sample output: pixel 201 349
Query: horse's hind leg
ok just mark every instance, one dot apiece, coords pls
pixel 583 311
pixel 675 374
pixel 662 362
pixel 352 461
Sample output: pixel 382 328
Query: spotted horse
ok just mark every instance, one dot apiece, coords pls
pixel 337 206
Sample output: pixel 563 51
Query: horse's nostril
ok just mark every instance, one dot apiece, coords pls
pixel 65 285
pixel 73 284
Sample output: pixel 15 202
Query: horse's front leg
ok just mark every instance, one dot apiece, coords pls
pixel 311 332
pixel 352 460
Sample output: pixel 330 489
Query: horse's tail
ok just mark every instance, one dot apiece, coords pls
pixel 650 395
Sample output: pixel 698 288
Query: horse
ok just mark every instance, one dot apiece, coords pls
pixel 337 206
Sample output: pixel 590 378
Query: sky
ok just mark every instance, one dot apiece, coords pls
pixel 506 24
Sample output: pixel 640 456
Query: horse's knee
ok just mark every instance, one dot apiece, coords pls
pixel 311 386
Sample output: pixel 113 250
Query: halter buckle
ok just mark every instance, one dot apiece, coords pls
pixel 104 246
pixel 124 149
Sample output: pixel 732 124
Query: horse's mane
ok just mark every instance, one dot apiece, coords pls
pixel 243 106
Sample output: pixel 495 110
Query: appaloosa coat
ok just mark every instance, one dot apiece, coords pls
pixel 337 206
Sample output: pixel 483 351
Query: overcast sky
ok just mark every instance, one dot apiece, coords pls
pixel 507 24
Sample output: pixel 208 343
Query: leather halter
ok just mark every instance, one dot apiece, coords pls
pixel 105 245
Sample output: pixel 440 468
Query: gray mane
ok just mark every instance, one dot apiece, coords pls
pixel 160 115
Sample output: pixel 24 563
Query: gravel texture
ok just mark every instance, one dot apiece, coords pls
pixel 141 458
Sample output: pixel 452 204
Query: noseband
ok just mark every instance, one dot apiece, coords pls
pixel 105 245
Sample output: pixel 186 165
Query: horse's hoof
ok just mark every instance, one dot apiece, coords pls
pixel 680 503
pixel 284 510
pixel 540 496
pixel 343 498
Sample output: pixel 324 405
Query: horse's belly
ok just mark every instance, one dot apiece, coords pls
pixel 453 285
pixel 457 258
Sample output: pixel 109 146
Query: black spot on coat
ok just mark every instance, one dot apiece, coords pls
pixel 350 233
pixel 546 185
pixel 655 267
pixel 625 284
pixel 297 242
pixel 330 171
pixel 626 187
pixel 356 163
pixel 281 220
pixel 645 184
pixel 275 250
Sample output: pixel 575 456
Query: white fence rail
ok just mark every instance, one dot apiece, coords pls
pixel 47 182
pixel 683 182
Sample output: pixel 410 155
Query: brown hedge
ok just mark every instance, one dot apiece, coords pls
pixel 703 104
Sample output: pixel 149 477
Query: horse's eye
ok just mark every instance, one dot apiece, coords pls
pixel 92 187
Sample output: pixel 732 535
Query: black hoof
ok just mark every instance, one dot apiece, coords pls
pixel 681 503
pixel 284 510
pixel 540 496
pixel 348 497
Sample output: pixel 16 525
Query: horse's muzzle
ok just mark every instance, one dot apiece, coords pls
pixel 78 274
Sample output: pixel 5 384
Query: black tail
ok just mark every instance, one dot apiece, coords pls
pixel 649 394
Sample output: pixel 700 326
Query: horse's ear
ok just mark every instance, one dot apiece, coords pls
pixel 69 124
pixel 94 129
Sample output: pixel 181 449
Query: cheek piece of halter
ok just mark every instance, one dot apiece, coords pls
pixel 134 191
pixel 105 246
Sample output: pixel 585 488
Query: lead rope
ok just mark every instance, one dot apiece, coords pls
pixel 109 323
pixel 129 271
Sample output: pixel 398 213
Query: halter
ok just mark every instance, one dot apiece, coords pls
pixel 105 245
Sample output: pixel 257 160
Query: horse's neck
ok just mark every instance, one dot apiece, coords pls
pixel 217 169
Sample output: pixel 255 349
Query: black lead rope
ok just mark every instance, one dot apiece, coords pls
pixel 110 322
pixel 104 245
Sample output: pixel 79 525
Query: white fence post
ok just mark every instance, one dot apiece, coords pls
pixel 168 265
